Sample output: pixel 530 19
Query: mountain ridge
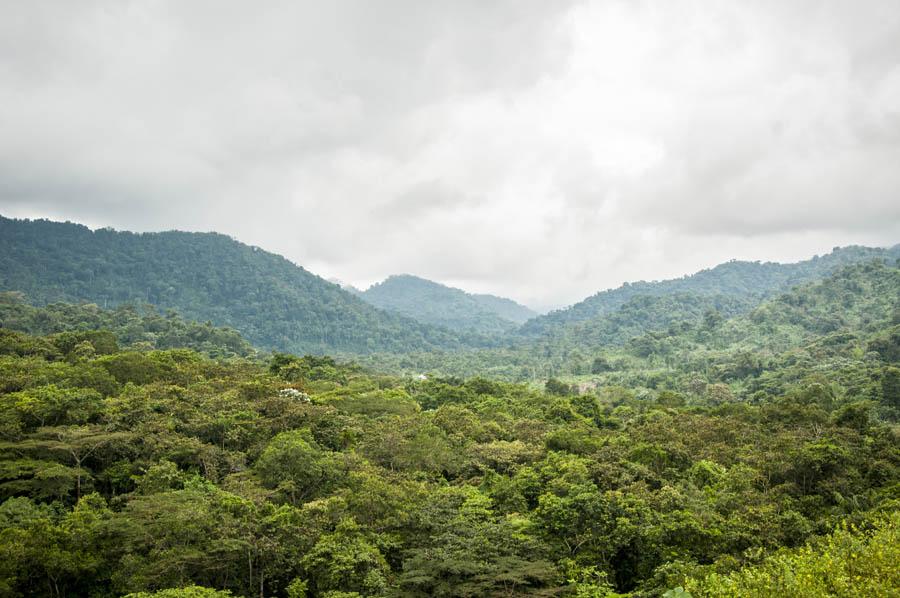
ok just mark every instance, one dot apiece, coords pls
pixel 739 278
pixel 273 302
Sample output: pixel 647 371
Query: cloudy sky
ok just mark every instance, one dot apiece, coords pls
pixel 539 150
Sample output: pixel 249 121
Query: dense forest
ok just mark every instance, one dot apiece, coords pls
pixel 205 276
pixel 734 433
pixel 136 471
pixel 434 303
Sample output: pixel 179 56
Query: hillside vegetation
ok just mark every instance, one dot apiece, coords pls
pixel 131 327
pixel 651 339
pixel 275 304
pixel 749 282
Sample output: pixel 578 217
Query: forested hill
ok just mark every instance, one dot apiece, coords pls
pixel 205 276
pixel 748 282
pixel 848 299
pixel 434 303
pixel 856 308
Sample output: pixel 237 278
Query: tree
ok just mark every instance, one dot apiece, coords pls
pixel 346 560
pixel 555 387
pixel 295 465
pixel 472 552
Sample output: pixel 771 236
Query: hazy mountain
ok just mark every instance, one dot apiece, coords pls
pixel 437 304
pixel 205 276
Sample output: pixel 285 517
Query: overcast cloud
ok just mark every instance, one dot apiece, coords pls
pixel 538 150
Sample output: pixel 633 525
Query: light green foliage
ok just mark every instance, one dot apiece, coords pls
pixel 347 560
pixel 850 562
pixel 295 465
pixel 185 592
pixel 83 331
pixel 470 551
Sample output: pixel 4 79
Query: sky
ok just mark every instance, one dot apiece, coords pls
pixel 537 150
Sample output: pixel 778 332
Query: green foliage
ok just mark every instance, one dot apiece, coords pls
pixel 186 592
pixel 842 324
pixel 74 329
pixel 307 477
pixel 345 560
pixel 295 465
pixel 746 282
pixel 852 561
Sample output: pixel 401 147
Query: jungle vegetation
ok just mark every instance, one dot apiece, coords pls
pixel 692 442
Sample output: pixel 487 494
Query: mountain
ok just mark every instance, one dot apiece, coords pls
pixel 434 303
pixel 855 309
pixel 274 303
pixel 846 299
pixel 750 282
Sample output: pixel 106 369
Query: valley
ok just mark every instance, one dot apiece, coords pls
pixel 179 410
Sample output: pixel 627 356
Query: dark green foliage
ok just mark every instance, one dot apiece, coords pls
pixel 273 303
pixel 141 328
pixel 694 343
pixel 555 387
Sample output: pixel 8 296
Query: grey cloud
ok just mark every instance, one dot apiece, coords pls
pixel 534 149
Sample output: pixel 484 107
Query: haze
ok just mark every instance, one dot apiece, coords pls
pixel 537 150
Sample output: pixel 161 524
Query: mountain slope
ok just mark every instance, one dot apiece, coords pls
pixel 855 311
pixel 849 299
pixel 205 276
pixel 753 281
pixel 434 303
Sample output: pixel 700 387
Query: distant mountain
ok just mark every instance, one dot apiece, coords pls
pixel 205 276
pixel 852 313
pixel 850 296
pixel 750 282
pixel 434 303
